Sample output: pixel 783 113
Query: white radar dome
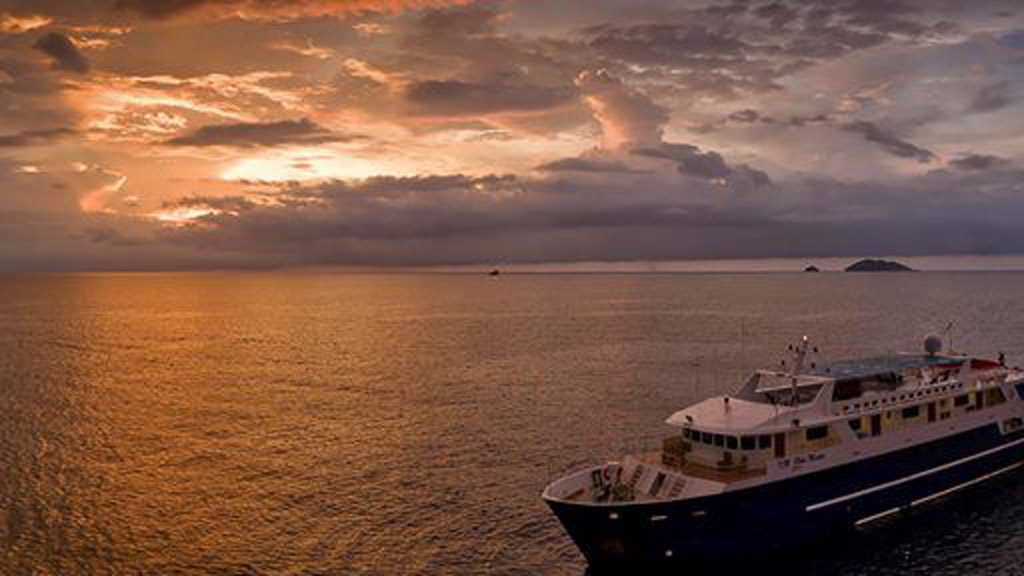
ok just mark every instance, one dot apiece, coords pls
pixel 932 344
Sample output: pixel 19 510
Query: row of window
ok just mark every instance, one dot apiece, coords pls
pixel 760 442
pixel 729 442
pixel 938 409
pixel 973 401
pixel 904 397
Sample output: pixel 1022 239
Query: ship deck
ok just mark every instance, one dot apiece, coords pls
pixel 704 472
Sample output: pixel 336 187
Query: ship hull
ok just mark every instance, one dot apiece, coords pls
pixel 786 513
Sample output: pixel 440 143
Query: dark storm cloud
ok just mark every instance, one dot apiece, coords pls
pixel 34 137
pixel 463 219
pixel 64 53
pixel 585 165
pixel 887 16
pixel 692 161
pixel 749 116
pixel 260 134
pixel 160 8
pixel 1013 39
pixel 992 97
pixel 889 141
pixel 458 98
pixel 699 58
pixel 454 218
pixel 977 162
pixel 778 13
pixel 814 119
pixel 666 44
pixel 728 50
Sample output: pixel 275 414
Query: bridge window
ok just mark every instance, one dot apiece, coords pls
pixel 719 440
pixel 705 437
pixel 764 441
pixel 748 443
pixel 731 443
pixel 817 432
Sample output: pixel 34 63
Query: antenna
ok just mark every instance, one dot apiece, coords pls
pixel 800 352
pixel 948 332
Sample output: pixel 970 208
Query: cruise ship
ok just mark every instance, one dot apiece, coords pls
pixel 797 453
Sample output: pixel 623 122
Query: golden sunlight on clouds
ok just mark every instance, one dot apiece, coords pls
pixel 299 165
pixel 12 24
pixel 112 105
pixel 515 129
pixel 308 49
pixel 260 10
pixel 182 215
pixel 361 69
pixel 96 201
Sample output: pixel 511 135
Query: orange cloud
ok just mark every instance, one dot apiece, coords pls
pixel 273 9
pixel 627 116
pixel 96 200
pixel 13 24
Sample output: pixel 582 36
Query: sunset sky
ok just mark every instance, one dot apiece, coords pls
pixel 168 134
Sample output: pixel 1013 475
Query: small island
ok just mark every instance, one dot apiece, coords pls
pixel 812 268
pixel 871 265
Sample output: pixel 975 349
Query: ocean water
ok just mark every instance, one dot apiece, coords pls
pixel 318 423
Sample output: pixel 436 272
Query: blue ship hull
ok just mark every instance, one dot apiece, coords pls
pixel 785 513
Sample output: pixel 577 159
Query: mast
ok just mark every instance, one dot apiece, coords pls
pixel 800 356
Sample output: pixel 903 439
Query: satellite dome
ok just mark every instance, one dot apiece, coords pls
pixel 932 344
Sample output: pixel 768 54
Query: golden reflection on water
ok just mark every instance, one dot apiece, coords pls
pixel 314 423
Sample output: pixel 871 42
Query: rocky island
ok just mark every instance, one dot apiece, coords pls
pixel 871 265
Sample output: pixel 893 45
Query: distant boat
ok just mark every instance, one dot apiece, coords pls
pixel 871 265
pixel 797 453
pixel 495 272
pixel 812 268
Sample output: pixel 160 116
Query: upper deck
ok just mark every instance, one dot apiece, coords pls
pixel 844 410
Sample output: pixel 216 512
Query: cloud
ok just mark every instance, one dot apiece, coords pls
pixel 627 116
pixel 307 49
pixel 35 137
pixel 977 162
pixel 585 165
pixel 18 24
pixel 729 51
pixel 631 121
pixel 749 116
pixel 458 98
pixel 1014 39
pixel 889 142
pixel 450 218
pixel 992 97
pixel 64 53
pixel 270 9
pixel 260 134
pixel 709 165
pixel 458 218
pixel 778 13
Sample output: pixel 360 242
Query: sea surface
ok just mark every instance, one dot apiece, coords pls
pixel 326 423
